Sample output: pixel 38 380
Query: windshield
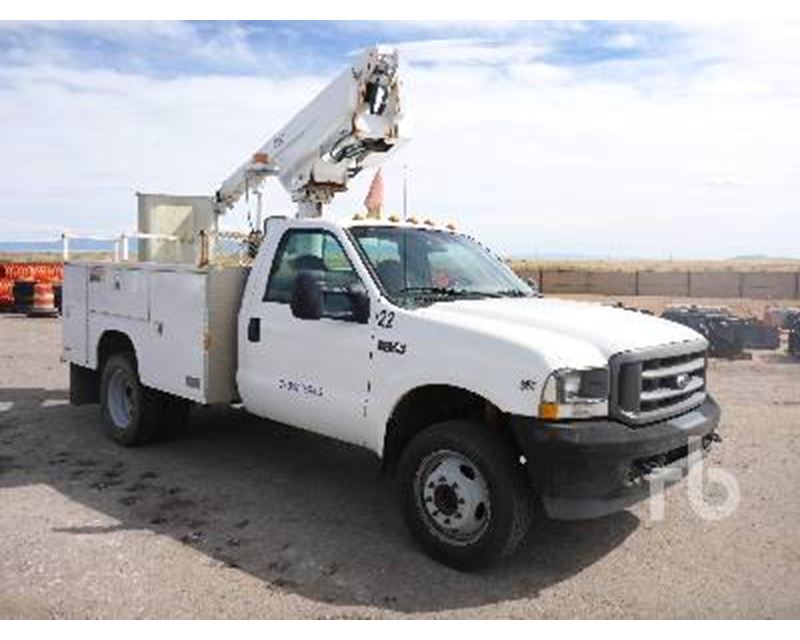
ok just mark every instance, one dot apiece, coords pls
pixel 416 265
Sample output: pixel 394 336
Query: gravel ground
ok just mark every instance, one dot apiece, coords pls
pixel 245 518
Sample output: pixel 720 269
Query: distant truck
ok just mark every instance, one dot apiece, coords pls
pixel 413 341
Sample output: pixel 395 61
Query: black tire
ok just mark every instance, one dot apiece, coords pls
pixel 136 419
pixel 501 479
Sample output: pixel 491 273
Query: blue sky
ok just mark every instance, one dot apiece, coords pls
pixel 200 48
pixel 621 139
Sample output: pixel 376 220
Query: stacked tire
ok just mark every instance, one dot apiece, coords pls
pixel 58 296
pixel 23 295
pixel 793 323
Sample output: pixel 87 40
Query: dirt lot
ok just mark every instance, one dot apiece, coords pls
pixel 244 518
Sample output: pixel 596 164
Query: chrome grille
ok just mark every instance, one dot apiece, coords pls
pixel 658 383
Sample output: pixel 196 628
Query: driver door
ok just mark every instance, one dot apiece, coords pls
pixel 312 373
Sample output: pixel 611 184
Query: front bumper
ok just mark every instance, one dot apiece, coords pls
pixel 586 469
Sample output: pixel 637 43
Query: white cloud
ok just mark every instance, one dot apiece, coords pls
pixel 693 152
pixel 469 51
pixel 625 40
pixel 78 144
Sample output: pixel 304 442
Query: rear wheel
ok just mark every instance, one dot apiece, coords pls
pixel 465 495
pixel 131 412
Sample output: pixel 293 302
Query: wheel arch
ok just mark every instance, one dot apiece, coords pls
pixel 114 341
pixel 84 382
pixel 429 404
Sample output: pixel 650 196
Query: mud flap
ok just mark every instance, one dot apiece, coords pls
pixel 84 385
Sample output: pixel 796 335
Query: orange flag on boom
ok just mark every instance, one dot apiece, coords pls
pixel 374 200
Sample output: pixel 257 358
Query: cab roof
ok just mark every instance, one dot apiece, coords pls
pixel 410 223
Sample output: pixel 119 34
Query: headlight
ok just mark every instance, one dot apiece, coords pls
pixel 575 393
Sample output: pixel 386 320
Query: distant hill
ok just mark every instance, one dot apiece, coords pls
pixel 757 257
pixel 50 251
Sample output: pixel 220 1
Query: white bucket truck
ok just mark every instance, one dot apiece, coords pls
pixel 408 339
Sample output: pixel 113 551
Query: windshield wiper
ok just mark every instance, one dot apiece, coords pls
pixel 512 293
pixel 461 293
pixel 439 291
pixel 450 292
pixel 444 291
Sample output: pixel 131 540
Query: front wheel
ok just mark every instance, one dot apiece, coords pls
pixel 465 495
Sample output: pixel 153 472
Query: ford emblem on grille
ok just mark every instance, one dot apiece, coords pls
pixel 682 380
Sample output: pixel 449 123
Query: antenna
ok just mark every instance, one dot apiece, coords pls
pixel 405 192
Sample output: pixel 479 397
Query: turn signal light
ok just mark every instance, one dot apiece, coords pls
pixel 548 411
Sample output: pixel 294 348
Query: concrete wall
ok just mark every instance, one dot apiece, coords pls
pixel 715 284
pixel 663 283
pixel 618 283
pixel 696 284
pixel 765 284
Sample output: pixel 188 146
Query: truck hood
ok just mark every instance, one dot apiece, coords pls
pixel 535 321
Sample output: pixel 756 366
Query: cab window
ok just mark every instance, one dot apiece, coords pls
pixel 316 251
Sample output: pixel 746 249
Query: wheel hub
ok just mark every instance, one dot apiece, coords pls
pixel 121 399
pixel 445 499
pixel 454 497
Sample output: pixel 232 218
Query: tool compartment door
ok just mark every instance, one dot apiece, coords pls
pixel 118 291
pixel 177 344
pixel 75 325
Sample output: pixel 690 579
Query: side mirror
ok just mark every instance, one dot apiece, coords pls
pixel 359 299
pixel 307 302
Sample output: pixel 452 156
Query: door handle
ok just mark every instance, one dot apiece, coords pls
pixel 254 330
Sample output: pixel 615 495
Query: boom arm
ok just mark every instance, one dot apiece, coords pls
pixel 353 123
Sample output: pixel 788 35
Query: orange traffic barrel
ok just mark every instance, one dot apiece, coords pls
pixel 6 294
pixel 44 302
